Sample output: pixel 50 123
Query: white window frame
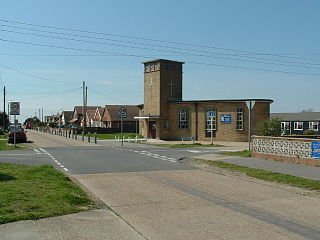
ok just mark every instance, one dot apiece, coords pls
pixel 208 119
pixel 314 126
pixel 239 119
pixel 183 118
pixel 296 124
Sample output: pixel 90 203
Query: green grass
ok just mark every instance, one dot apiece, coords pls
pixel 269 176
pixel 34 192
pixel 188 145
pixel 4 136
pixel 244 153
pixel 4 146
pixel 113 135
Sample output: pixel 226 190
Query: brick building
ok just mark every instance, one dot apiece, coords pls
pixel 164 115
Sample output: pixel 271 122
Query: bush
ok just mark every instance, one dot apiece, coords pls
pixel 310 132
pixel 270 127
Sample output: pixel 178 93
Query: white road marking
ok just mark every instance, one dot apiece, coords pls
pixel 66 169
pixel 37 151
pixel 61 166
pixel 43 150
pixel 193 151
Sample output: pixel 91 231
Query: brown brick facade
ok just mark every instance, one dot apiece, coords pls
pixel 163 99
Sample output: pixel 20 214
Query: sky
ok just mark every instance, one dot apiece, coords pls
pixel 232 49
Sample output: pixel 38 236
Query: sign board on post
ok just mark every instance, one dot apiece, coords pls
pixel 315 150
pixel 225 118
pixel 211 114
pixel 14 108
pixel 123 112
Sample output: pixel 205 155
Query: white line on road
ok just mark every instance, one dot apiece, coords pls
pixel 43 150
pixel 37 151
pixel 66 169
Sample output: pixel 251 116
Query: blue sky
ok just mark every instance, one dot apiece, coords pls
pixel 286 31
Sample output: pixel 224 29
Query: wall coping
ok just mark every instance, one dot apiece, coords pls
pixel 286 138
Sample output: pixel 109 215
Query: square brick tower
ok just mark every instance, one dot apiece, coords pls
pixel 162 83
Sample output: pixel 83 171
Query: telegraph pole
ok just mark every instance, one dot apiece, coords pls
pixel 4 108
pixel 84 109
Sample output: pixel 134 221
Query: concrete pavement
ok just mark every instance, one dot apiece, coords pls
pixel 152 196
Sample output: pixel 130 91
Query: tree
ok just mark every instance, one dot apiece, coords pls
pixel 32 120
pixel 270 127
pixel 6 123
pixel 307 110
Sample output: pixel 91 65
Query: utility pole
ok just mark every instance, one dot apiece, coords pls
pixel 84 110
pixel 4 108
pixel 39 115
pixel 42 115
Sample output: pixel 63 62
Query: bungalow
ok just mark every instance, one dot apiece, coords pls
pixel 111 117
pixel 51 119
pixel 77 115
pixel 96 121
pixel 297 123
pixel 64 118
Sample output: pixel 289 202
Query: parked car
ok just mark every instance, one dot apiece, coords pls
pixel 21 135
pixel 28 125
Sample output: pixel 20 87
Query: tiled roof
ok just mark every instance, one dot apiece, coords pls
pixel 112 113
pixel 301 116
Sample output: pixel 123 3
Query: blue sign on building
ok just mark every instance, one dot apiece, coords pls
pixel 225 118
pixel 316 150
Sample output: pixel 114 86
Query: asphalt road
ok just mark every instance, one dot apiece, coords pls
pixel 153 196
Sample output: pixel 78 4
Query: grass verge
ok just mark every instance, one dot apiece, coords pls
pixel 113 135
pixel 4 136
pixel 34 192
pixel 188 145
pixel 269 176
pixel 244 153
pixel 4 146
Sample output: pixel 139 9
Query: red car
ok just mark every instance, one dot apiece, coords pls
pixel 21 135
pixel 28 125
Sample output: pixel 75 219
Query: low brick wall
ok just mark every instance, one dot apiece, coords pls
pixel 294 150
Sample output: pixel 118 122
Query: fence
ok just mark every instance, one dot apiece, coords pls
pixel 285 149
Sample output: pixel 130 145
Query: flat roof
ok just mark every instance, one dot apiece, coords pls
pixel 164 60
pixel 224 100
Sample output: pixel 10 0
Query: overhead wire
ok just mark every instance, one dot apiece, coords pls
pixel 148 57
pixel 168 51
pixel 150 39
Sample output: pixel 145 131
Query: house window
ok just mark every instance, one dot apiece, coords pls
pixel 183 118
pixel 298 125
pixel 285 127
pixel 239 119
pixel 210 125
pixel 314 125
pixel 165 124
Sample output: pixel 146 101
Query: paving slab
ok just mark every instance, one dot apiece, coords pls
pixel 99 224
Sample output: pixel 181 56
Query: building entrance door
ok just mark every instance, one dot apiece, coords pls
pixel 152 129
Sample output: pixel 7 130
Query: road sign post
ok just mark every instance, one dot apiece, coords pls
pixel 123 114
pixel 211 116
pixel 15 110
pixel 250 105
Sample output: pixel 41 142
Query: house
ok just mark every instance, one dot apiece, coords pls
pixel 77 115
pixel 51 119
pixel 111 117
pixel 297 123
pixel 96 121
pixel 165 115
pixel 64 118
